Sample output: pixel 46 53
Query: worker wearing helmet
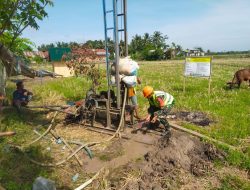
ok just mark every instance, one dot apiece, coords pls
pixel 160 105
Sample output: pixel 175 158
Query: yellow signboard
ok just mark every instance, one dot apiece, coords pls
pixel 198 66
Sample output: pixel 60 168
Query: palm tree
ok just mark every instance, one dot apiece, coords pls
pixel 158 40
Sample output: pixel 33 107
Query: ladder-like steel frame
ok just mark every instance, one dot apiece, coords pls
pixel 116 31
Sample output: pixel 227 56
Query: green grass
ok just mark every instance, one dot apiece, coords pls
pixel 67 88
pixel 231 182
pixel 230 109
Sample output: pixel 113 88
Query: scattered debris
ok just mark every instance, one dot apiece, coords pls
pixel 7 133
pixel 75 177
pixel 43 184
pixel 197 118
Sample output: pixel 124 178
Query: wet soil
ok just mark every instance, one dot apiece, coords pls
pixel 172 156
pixel 120 152
pixel 197 118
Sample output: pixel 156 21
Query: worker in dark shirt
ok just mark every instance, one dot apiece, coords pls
pixel 21 96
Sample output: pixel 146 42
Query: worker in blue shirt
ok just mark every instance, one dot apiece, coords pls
pixel 21 96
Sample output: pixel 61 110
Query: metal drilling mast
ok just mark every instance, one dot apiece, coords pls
pixel 117 10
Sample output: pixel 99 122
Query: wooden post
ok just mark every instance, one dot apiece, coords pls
pixel 184 79
pixel 184 85
pixel 108 113
pixel 209 81
pixel 209 89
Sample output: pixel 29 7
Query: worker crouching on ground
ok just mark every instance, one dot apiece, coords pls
pixel 160 105
pixel 21 96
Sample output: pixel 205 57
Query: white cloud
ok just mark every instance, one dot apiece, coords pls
pixel 226 27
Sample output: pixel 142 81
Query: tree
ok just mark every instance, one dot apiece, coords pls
pixel 15 17
pixel 83 63
pixel 45 47
pixel 148 47
pixel 172 51
pixel 136 44
pixel 95 44
pixel 19 46
pixel 158 40
pixel 199 48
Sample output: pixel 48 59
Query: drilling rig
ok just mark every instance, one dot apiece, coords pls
pixel 110 105
pixel 117 26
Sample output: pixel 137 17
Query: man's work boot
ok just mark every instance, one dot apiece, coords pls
pixel 166 134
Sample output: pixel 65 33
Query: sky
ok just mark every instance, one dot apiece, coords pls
pixel 215 25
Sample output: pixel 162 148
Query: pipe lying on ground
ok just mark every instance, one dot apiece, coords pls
pixel 55 108
pixel 177 127
pixel 8 133
pixel 52 106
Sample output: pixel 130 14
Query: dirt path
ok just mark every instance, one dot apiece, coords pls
pixel 146 161
pixel 122 152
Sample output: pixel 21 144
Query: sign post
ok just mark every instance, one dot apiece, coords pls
pixel 198 67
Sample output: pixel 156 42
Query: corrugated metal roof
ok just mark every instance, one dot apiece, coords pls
pixel 86 52
pixel 42 54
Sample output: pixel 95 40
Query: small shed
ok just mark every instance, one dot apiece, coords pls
pixel 55 54
pixel 61 68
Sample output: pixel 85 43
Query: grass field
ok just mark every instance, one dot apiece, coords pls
pixel 230 109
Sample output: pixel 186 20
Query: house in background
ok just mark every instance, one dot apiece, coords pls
pixel 57 56
pixel 42 54
pixel 194 53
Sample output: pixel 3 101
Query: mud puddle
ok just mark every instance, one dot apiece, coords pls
pixel 121 152
pixel 197 118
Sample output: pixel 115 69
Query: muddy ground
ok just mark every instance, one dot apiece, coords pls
pixel 145 160
pixel 148 161
pixel 141 161
pixel 167 164
pixel 197 118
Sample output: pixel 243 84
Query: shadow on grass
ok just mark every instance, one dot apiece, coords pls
pixel 227 88
pixel 16 170
pixel 11 117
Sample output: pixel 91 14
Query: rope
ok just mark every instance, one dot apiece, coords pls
pixel 89 181
pixel 45 133
pixel 82 146
pixel 117 132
